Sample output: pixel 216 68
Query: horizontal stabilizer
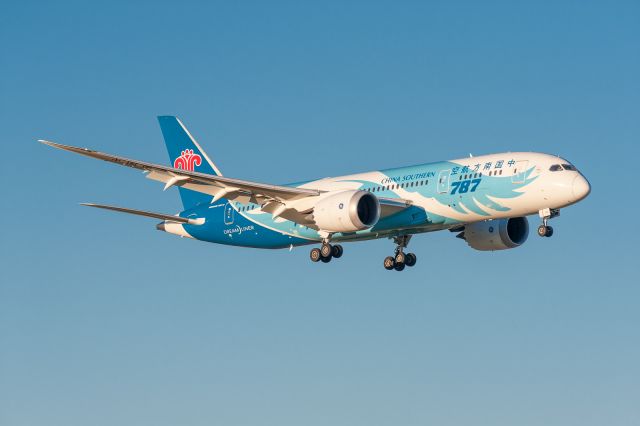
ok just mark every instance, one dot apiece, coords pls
pixel 167 217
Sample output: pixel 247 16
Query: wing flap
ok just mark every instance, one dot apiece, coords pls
pixel 391 206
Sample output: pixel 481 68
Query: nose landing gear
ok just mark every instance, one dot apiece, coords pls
pixel 545 230
pixel 399 260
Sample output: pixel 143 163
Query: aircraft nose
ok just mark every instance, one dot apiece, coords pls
pixel 580 187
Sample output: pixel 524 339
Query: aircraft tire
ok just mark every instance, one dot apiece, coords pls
pixel 542 230
pixel 389 263
pixel 315 255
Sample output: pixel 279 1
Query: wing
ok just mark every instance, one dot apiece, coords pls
pixel 275 199
pixel 217 186
pixel 291 203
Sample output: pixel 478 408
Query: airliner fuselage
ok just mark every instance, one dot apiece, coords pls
pixel 485 199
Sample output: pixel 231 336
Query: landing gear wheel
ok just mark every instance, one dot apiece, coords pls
pixel 545 231
pixel 410 259
pixel 399 266
pixel 337 251
pixel 389 263
pixel 542 231
pixel 400 258
pixel 326 250
pixel 315 255
pixel 325 259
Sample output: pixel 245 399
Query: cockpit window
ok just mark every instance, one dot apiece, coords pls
pixel 569 167
pixel 555 168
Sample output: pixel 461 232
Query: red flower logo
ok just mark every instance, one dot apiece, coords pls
pixel 187 160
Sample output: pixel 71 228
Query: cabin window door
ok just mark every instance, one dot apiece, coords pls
pixel 520 171
pixel 228 214
pixel 443 181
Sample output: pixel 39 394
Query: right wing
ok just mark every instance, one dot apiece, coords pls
pixel 275 199
pixel 270 196
pixel 291 203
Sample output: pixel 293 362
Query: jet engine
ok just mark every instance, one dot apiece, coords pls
pixel 347 211
pixel 498 234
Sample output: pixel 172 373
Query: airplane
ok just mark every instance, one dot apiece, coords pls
pixel 485 200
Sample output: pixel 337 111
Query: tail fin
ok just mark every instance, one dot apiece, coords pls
pixel 186 154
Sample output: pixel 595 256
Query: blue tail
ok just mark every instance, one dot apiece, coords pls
pixel 186 154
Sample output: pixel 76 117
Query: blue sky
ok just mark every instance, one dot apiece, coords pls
pixel 104 320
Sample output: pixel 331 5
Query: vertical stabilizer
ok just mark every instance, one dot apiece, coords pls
pixel 185 153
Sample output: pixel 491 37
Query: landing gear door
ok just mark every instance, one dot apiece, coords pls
pixel 519 172
pixel 443 181
pixel 228 214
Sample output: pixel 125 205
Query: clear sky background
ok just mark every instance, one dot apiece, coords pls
pixel 104 320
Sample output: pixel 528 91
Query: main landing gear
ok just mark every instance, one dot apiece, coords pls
pixel 400 259
pixel 326 252
pixel 545 230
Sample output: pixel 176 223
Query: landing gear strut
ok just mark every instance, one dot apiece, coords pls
pixel 326 252
pixel 545 230
pixel 400 259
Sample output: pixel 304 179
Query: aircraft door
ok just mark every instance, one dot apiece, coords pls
pixel 519 173
pixel 443 181
pixel 228 214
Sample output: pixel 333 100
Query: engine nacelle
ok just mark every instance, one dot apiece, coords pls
pixel 496 234
pixel 347 211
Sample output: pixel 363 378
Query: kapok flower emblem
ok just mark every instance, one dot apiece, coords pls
pixel 187 160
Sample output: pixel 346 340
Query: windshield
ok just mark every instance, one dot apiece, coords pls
pixel 558 167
